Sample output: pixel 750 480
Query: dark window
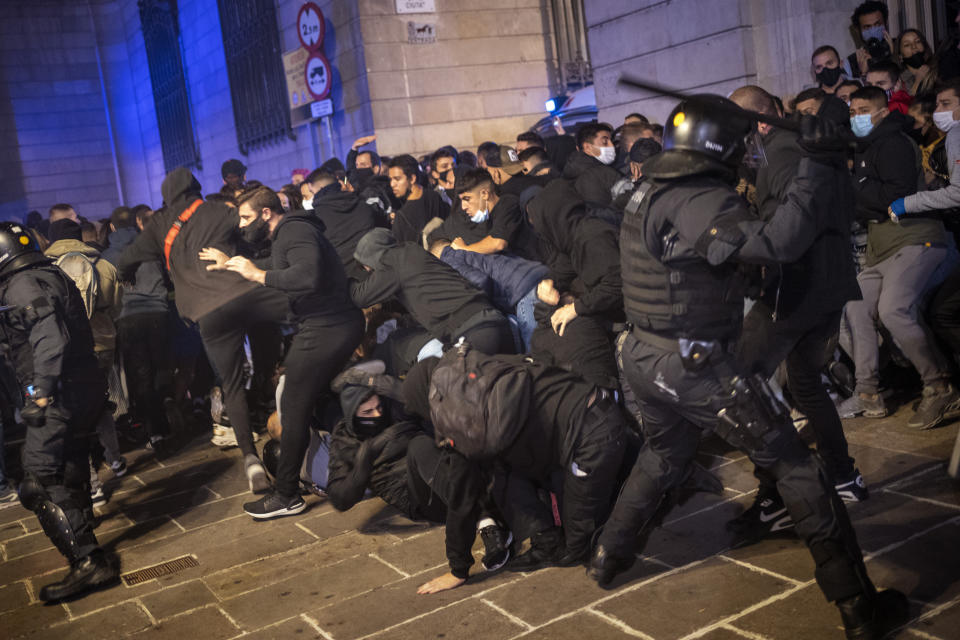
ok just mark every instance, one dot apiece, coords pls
pixel 258 87
pixel 161 38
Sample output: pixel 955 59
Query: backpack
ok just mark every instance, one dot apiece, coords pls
pixel 82 270
pixel 478 403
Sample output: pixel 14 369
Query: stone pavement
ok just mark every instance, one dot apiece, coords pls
pixel 354 575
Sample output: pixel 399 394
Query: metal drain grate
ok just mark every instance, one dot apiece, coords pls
pixel 158 570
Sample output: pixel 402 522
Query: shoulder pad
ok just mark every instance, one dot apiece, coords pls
pixel 636 200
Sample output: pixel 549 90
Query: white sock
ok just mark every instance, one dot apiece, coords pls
pixel 486 522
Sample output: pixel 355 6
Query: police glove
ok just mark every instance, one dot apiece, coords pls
pixel 33 415
pixel 821 137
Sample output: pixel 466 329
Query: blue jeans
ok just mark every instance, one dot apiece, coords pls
pixel 525 320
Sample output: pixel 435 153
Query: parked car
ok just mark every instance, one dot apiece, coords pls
pixel 578 109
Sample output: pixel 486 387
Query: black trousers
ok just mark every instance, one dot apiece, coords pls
pixel 223 330
pixel 678 405
pixel 488 332
pixel 945 312
pixel 57 455
pixel 146 344
pixel 317 354
pixel 806 343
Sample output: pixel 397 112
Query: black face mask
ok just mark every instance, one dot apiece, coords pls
pixel 369 427
pixel 829 77
pixel 916 60
pixel 255 232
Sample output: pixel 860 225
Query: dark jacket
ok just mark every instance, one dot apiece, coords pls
pixel 413 216
pixel 437 297
pixel 505 223
pixel 886 167
pixel 585 348
pixel 824 278
pixel 149 292
pixel 212 225
pixel 306 267
pixel 590 178
pixel 505 279
pixel 359 461
pixel 47 330
pixel 583 253
pixel 346 218
pixel 515 185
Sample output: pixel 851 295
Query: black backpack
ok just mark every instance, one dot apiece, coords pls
pixel 478 403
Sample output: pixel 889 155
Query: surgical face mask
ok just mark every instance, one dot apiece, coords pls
pixel 308 204
pixel 872 33
pixel 944 120
pixel 829 77
pixel 607 155
pixel 256 232
pixel 480 216
pixel 861 124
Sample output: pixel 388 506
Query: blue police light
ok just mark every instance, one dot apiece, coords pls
pixel 550 105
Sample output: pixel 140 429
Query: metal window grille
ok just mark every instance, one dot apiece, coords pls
pixel 570 41
pixel 161 38
pixel 251 43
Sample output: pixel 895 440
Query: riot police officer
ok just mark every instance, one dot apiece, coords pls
pixel 684 234
pixel 45 327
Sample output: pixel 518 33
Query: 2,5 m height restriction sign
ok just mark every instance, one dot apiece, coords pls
pixel 311 26
pixel 319 76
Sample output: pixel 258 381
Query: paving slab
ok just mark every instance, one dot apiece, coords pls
pixel 470 619
pixel 31 619
pixel 13 596
pixel 178 598
pixel 579 626
pixel 209 621
pixel 295 627
pixel 703 593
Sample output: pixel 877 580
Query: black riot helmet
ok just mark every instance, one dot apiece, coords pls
pixel 18 249
pixel 703 134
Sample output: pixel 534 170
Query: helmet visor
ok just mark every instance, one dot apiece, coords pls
pixel 754 157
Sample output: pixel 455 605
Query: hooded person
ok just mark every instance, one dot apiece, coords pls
pixel 346 219
pixel 583 254
pixel 224 305
pixel 376 446
pixel 304 266
pixel 437 297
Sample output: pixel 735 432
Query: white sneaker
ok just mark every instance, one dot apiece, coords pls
pixel 256 474
pixel 225 438
pixel 97 497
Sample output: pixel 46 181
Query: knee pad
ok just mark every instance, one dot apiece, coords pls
pixel 752 416
pixel 32 493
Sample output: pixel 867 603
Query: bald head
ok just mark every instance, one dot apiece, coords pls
pixel 754 98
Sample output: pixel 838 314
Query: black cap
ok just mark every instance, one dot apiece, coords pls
pixel 233 167
pixel 65 229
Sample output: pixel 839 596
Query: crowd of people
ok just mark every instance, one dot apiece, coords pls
pixel 524 342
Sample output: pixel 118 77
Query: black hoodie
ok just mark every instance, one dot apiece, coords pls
pixel 583 253
pixel 198 291
pixel 346 218
pixel 591 178
pixel 437 297
pixel 308 270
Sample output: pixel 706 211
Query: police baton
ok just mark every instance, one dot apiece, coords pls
pixel 730 109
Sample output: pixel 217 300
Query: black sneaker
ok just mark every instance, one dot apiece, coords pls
pixel 496 545
pixel 86 574
pixel 767 515
pixel 273 505
pixel 853 489
pixel 939 401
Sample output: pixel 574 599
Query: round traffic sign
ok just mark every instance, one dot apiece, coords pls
pixel 311 26
pixel 318 75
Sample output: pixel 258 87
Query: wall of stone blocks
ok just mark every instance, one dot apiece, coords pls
pixel 680 44
pixel 53 123
pixel 485 78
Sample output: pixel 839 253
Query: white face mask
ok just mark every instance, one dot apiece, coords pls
pixel 308 204
pixel 944 120
pixel 607 155
pixel 480 216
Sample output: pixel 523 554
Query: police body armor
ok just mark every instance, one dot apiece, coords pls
pixel 695 300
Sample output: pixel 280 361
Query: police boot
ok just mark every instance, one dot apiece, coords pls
pixel 86 574
pixel 605 564
pixel 871 616
pixel 545 550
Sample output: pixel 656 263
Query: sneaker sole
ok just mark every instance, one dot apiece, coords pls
pixel 506 558
pixel 279 513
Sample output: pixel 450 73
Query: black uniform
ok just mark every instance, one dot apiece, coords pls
pixel 51 347
pixel 680 249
